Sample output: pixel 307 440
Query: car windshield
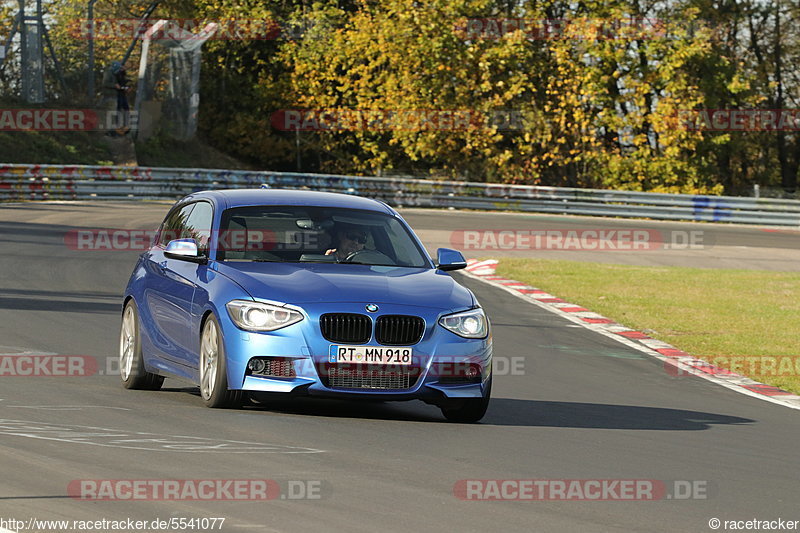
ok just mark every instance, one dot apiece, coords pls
pixel 306 234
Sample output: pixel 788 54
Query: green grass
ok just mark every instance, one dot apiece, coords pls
pixel 64 148
pixel 161 151
pixel 711 314
pixel 82 148
pixel 92 148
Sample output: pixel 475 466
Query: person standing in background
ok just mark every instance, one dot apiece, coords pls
pixel 116 79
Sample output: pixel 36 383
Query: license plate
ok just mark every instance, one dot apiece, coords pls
pixel 369 355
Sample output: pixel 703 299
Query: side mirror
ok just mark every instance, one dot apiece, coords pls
pixel 185 250
pixel 447 259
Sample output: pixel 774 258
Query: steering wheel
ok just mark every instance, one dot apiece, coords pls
pixel 368 257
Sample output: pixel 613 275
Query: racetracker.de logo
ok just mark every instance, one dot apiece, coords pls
pixel 49 120
pixel 554 28
pixel 579 490
pixel 195 489
pixel 36 365
pixel 754 365
pixel 185 29
pixel 625 240
pixel 108 239
pixel 739 119
pixel 65 120
pixel 396 120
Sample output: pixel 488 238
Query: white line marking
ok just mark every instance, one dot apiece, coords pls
pixel 137 440
pixel 68 407
pixel 16 350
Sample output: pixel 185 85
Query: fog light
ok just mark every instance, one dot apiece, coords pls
pixel 472 371
pixel 256 365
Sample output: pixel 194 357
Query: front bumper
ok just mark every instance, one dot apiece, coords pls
pixel 436 357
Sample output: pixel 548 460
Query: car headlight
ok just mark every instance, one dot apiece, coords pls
pixel 470 324
pixel 257 316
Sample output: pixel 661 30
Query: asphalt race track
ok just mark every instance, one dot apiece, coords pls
pixel 578 406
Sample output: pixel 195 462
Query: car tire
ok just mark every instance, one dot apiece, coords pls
pixel 471 410
pixel 131 361
pixel 213 370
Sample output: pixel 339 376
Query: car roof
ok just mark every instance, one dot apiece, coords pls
pixel 248 197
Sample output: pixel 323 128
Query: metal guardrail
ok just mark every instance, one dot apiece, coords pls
pixel 58 182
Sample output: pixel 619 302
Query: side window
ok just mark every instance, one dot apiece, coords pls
pixel 403 247
pixel 198 226
pixel 174 225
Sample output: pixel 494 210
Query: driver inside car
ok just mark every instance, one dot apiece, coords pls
pixel 348 239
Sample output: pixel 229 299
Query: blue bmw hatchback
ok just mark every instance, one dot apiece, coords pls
pixel 245 292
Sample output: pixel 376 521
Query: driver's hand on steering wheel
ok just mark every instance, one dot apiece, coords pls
pixel 335 251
